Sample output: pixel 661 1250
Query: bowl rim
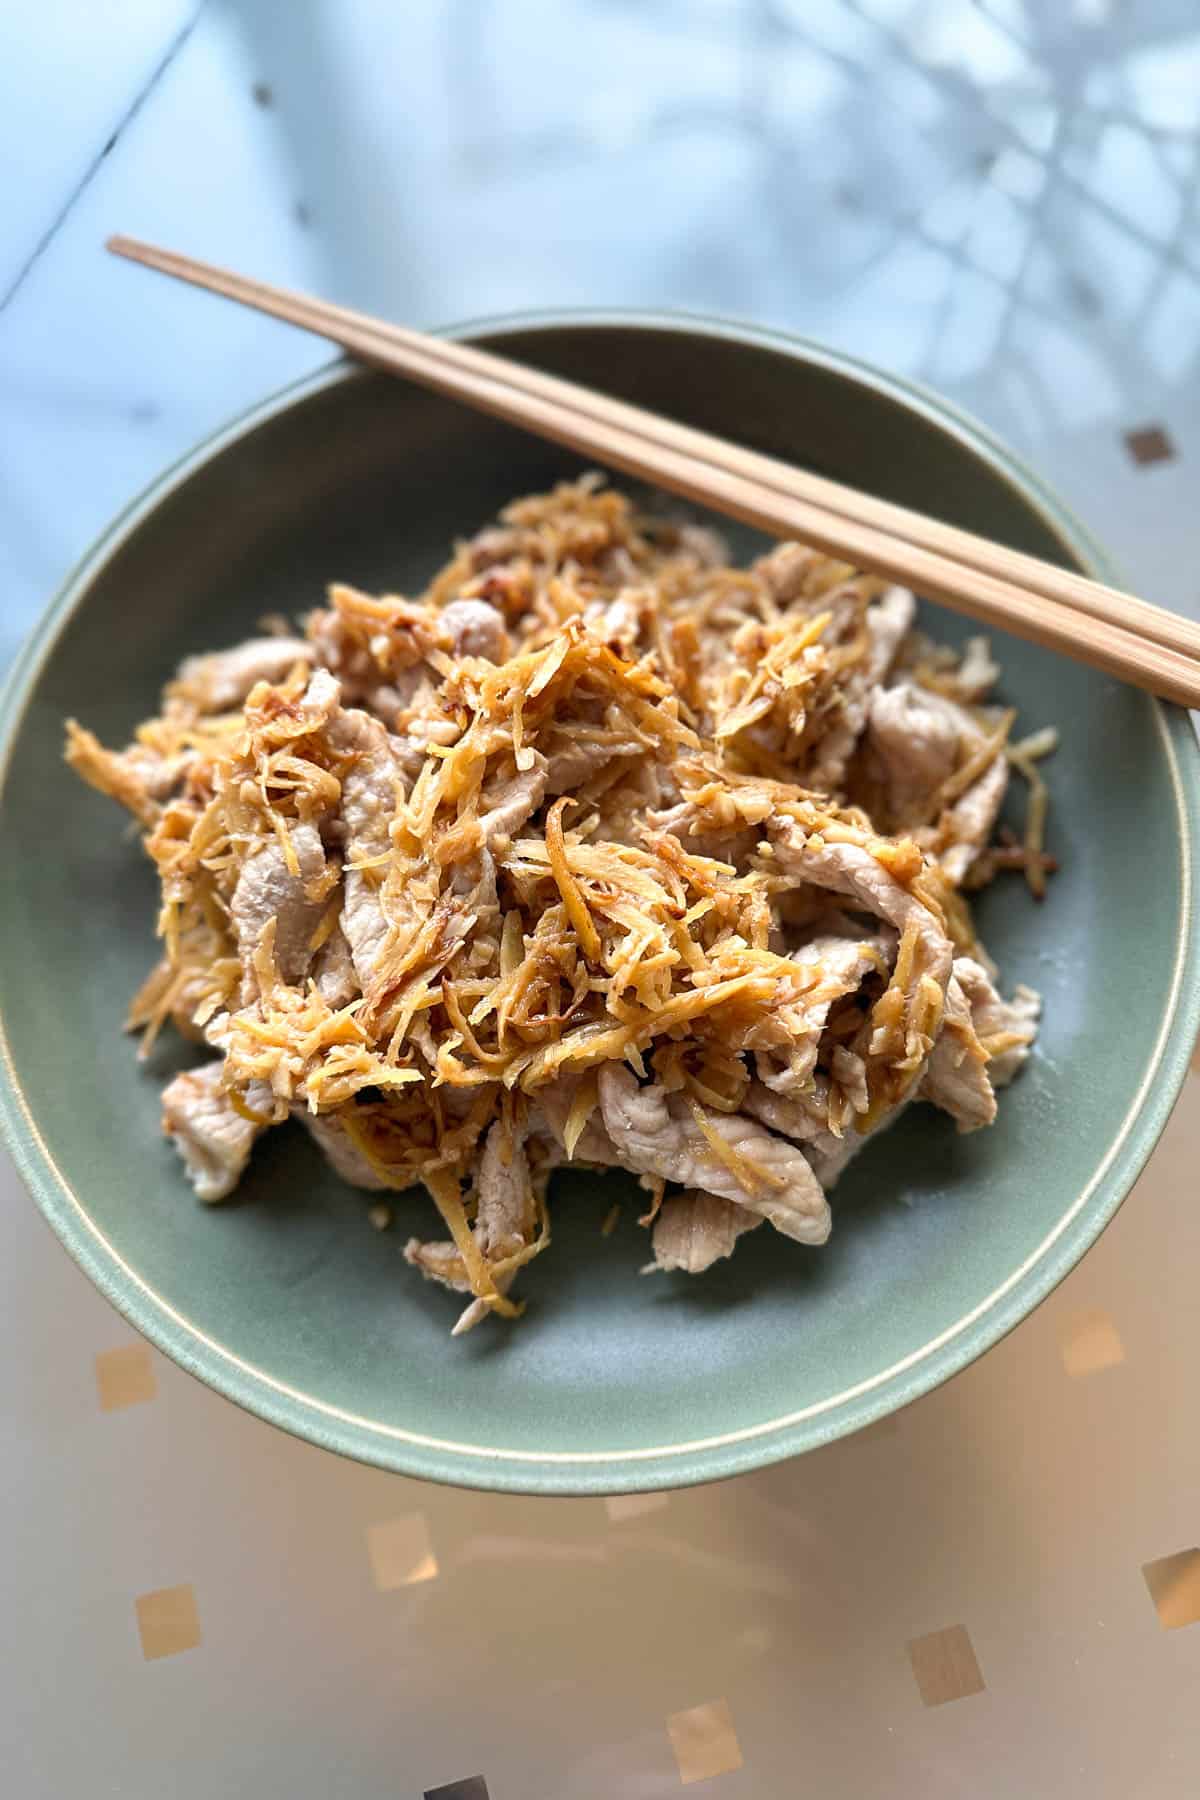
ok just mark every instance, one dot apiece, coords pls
pixel 722 1454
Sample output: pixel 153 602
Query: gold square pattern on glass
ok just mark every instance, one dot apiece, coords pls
pixel 704 1741
pixel 125 1377
pixel 1150 444
pixel 400 1552
pixel 620 1507
pixel 1174 1584
pixel 944 1665
pixel 168 1621
pixel 1090 1342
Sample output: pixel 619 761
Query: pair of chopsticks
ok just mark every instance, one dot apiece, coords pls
pixel 1007 589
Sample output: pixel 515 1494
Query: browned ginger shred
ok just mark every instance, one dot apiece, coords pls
pixel 599 850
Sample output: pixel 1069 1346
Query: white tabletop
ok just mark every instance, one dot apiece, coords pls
pixel 990 1594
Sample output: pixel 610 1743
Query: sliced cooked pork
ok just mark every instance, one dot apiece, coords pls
pixel 969 822
pixel 369 791
pixel 916 742
pixel 855 872
pixel 506 1222
pixel 334 972
pixel 598 852
pixel 476 629
pixel 833 967
pixel 694 1230
pixel 917 738
pixel 328 1131
pixel 889 621
pixel 220 681
pixel 957 1076
pixel 1006 1028
pixel 211 1136
pixel 656 1133
pixel 295 902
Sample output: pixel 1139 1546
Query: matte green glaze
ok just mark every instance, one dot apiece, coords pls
pixel 285 1299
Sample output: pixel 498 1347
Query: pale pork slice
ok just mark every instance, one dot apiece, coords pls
pixel 956 1079
pixel 976 673
pixel 996 1019
pixel 334 972
pixel 850 1072
pixel 841 965
pixel 972 817
pixel 582 758
pixel 476 629
pixel 656 1133
pixel 888 621
pixel 210 1135
pixel 917 739
pixel 369 794
pixel 506 1221
pixel 221 680
pixel 268 890
pixel 508 805
pixel 593 1148
pixel 139 779
pixel 329 1134
pixel 852 870
pixel 802 1116
pixel 694 1230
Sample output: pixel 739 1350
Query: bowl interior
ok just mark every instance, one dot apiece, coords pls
pixel 286 1298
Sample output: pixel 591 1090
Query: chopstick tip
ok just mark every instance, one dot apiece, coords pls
pixel 133 248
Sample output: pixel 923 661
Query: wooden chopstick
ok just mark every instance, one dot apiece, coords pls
pixel 1008 589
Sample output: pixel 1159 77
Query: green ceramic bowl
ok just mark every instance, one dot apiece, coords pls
pixel 285 1300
